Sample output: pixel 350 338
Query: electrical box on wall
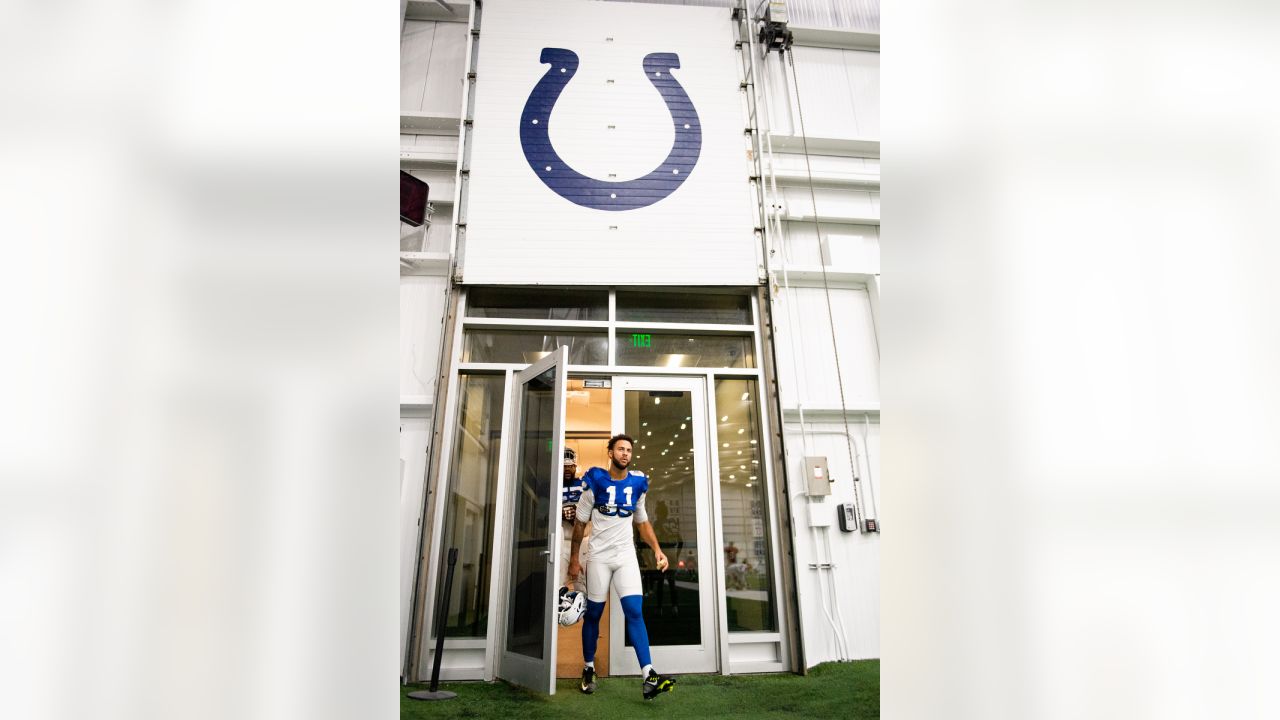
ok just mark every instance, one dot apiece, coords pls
pixel 870 525
pixel 815 469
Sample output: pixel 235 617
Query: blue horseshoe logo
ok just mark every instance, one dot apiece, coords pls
pixel 603 194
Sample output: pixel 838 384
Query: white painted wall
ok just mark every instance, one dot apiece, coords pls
pixel 843 602
pixel 415 436
pixel 846 248
pixel 422 304
pixel 806 357
pixel 838 91
pixel 432 66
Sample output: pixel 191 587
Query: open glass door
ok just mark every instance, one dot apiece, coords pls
pixel 667 417
pixel 527 654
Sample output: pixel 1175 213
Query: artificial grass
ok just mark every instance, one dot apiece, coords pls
pixel 843 690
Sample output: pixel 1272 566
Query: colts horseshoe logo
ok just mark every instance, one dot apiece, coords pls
pixel 603 194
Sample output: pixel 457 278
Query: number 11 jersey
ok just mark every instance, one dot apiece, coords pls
pixel 610 506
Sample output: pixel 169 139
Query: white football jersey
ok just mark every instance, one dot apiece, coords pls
pixel 610 506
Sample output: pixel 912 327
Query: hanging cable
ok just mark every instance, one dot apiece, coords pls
pixel 826 287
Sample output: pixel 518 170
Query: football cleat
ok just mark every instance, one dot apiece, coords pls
pixel 588 684
pixel 656 683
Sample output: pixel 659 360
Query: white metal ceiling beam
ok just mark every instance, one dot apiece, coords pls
pixel 835 38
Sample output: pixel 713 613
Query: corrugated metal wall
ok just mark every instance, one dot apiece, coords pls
pixel 860 15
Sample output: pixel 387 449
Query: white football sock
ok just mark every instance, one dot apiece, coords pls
pixel 644 671
pixel 592 664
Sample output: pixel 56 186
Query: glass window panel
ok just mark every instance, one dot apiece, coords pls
pixel 671 597
pixel 529 346
pixel 749 591
pixel 673 306
pixel 469 503
pixel 683 350
pixel 538 304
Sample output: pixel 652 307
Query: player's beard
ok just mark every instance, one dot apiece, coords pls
pixel 617 465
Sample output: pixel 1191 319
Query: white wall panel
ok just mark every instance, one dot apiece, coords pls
pixel 808 373
pixel 861 15
pixel 839 90
pixel 415 437
pixel 415 59
pixel 432 238
pixel 520 230
pixel 863 71
pixel 432 58
pixel 440 145
pixel 822 166
pixel 824 93
pixel 422 304
pixel 832 203
pixel 447 75
pixel 844 248
pixel 850 592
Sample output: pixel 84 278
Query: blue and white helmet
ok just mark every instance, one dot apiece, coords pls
pixel 572 605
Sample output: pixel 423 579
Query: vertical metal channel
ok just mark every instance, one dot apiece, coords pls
pixel 774 429
pixel 463 177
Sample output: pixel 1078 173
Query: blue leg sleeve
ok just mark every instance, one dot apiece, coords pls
pixel 635 628
pixel 591 629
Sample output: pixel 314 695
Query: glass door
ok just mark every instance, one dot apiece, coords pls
pixel 667 418
pixel 528 641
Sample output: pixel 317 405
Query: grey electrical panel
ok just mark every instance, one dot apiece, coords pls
pixel 815 469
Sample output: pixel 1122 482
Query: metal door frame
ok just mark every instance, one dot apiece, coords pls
pixel 705 657
pixel 534 674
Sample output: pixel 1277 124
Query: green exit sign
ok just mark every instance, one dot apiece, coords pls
pixel 639 340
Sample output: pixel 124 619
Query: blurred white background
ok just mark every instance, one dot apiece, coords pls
pixel 1080 359
pixel 198 481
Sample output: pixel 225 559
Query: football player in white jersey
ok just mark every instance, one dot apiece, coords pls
pixel 613 501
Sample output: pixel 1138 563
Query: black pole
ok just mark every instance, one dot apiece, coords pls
pixel 434 693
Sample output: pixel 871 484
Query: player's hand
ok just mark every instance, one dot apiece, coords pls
pixel 575 569
pixel 661 559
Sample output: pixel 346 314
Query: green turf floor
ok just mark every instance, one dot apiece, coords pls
pixel 830 690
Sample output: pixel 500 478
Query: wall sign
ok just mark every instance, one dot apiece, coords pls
pixel 608 148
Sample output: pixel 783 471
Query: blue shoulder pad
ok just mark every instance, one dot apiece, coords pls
pixel 639 481
pixel 596 478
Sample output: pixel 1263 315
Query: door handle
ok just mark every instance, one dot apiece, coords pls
pixel 547 553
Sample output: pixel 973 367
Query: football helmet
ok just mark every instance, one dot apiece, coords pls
pixel 572 605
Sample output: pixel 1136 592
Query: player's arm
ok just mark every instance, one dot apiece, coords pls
pixel 585 502
pixel 579 531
